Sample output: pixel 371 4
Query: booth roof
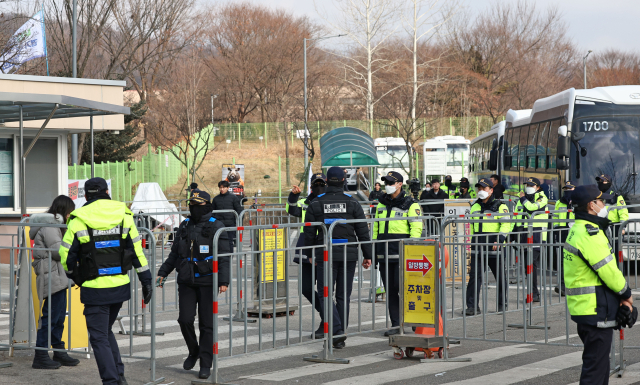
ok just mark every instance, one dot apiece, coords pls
pixel 348 146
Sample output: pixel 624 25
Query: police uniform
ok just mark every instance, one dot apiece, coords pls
pixel 470 194
pixel 329 207
pixel 535 205
pixel 401 206
pixel 562 229
pixel 99 248
pixel 298 209
pixel 594 286
pixel 448 187
pixel 616 216
pixel 192 257
pixel 491 230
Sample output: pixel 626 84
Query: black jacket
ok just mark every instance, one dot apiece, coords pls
pixel 429 195
pixel 328 207
pixel 190 250
pixel 227 201
pixel 375 195
pixel 498 191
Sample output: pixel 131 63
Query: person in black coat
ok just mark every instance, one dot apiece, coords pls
pixel 192 257
pixel 498 189
pixel 335 204
pixel 376 193
pixel 434 194
pixel 227 201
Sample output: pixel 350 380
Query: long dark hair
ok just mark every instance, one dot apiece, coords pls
pixel 62 205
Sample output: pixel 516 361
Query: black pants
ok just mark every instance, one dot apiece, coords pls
pixel 392 288
pixel 232 239
pixel 595 356
pixel 309 291
pixel 340 271
pixel 560 236
pixel 477 268
pixel 58 311
pixel 100 319
pixel 190 298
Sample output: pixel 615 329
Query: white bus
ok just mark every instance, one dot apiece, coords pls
pixel 574 135
pixel 392 156
pixel 446 155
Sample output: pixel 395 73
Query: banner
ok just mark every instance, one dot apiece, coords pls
pixel 29 42
pixel 76 191
pixel 234 174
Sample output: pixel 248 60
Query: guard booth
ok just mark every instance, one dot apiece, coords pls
pixel 353 150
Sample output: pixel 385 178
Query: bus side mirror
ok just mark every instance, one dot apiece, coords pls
pixel 493 160
pixel 564 152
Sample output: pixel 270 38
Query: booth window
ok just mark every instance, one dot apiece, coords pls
pixel 42 172
pixel 6 172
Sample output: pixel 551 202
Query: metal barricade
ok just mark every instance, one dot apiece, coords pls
pixel 23 326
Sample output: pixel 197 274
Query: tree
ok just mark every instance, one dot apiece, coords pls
pixel 613 67
pixel 108 147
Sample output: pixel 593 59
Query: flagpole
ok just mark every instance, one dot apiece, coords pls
pixel 44 34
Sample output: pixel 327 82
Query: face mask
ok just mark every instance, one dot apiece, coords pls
pixel 447 182
pixel 390 189
pixel 604 212
pixel 604 187
pixel 198 211
pixel 530 190
pixel 427 188
pixel 567 195
pixel 317 189
pixel 483 194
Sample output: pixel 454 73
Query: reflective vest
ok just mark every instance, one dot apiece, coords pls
pixel 411 228
pixel 535 209
pixel 490 224
pixel 102 228
pixel 566 215
pixel 297 209
pixel 592 279
pixel 617 215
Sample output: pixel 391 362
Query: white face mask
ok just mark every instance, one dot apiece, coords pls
pixel 604 212
pixel 530 190
pixel 427 188
pixel 483 194
pixel 390 189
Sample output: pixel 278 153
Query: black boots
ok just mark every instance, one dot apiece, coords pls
pixel 41 360
pixel 63 357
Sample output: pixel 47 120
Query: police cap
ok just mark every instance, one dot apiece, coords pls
pixel 318 176
pixel 199 196
pixel 568 185
pixel 485 182
pixel 392 176
pixel 604 178
pixel 335 174
pixel 532 182
pixel 95 185
pixel 582 195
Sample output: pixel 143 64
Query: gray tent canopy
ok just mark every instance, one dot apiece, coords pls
pixel 348 147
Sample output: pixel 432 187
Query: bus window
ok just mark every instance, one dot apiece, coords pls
pixel 531 146
pixel 522 152
pixel 553 144
pixel 507 148
pixel 514 147
pixel 543 132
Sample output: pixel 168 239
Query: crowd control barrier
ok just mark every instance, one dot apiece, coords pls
pixel 25 306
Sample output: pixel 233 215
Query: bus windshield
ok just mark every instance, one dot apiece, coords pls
pixel 613 148
pixel 392 156
pixel 457 155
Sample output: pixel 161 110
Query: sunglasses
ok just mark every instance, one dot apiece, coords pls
pixel 388 183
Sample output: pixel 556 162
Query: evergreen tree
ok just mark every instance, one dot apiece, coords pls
pixel 108 147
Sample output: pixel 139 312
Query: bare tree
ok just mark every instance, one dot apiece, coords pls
pixel 614 67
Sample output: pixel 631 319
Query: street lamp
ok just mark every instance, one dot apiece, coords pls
pixel 306 110
pixel 584 68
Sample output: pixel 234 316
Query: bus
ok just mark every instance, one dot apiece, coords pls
pixel 446 155
pixel 392 156
pixel 574 135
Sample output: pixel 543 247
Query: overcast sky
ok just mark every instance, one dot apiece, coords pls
pixel 592 24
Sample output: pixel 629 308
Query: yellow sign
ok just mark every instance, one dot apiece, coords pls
pixel 268 242
pixel 419 284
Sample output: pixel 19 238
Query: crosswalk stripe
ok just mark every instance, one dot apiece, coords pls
pixel 146 340
pixel 426 369
pixel 527 372
pixel 631 376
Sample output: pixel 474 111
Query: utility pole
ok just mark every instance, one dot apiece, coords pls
pixel 584 68
pixel 74 69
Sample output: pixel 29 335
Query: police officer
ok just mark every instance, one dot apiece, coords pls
pixel 463 190
pixel 100 246
pixel 299 209
pixel 562 229
pixel 395 203
pixel 533 201
pixel 488 232
pixel 448 187
pixel 191 256
pixel 592 278
pixel 328 207
pixel 616 216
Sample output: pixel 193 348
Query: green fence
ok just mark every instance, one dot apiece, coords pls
pixel 160 167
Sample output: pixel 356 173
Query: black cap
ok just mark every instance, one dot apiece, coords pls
pixel 447 177
pixel 568 185
pixel 317 176
pixel 484 182
pixel 585 194
pixel 335 174
pixel 532 182
pixel 604 178
pixel 193 186
pixel 199 196
pixel 95 185
pixel 392 176
pixel 464 180
pixel 435 180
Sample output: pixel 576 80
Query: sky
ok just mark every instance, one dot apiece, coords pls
pixel 592 24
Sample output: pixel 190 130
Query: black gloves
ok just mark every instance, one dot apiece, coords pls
pixel 626 317
pixel 147 292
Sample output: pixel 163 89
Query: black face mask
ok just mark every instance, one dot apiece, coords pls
pixel 317 189
pixel 198 211
pixel 604 187
pixel 567 196
pixel 447 182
